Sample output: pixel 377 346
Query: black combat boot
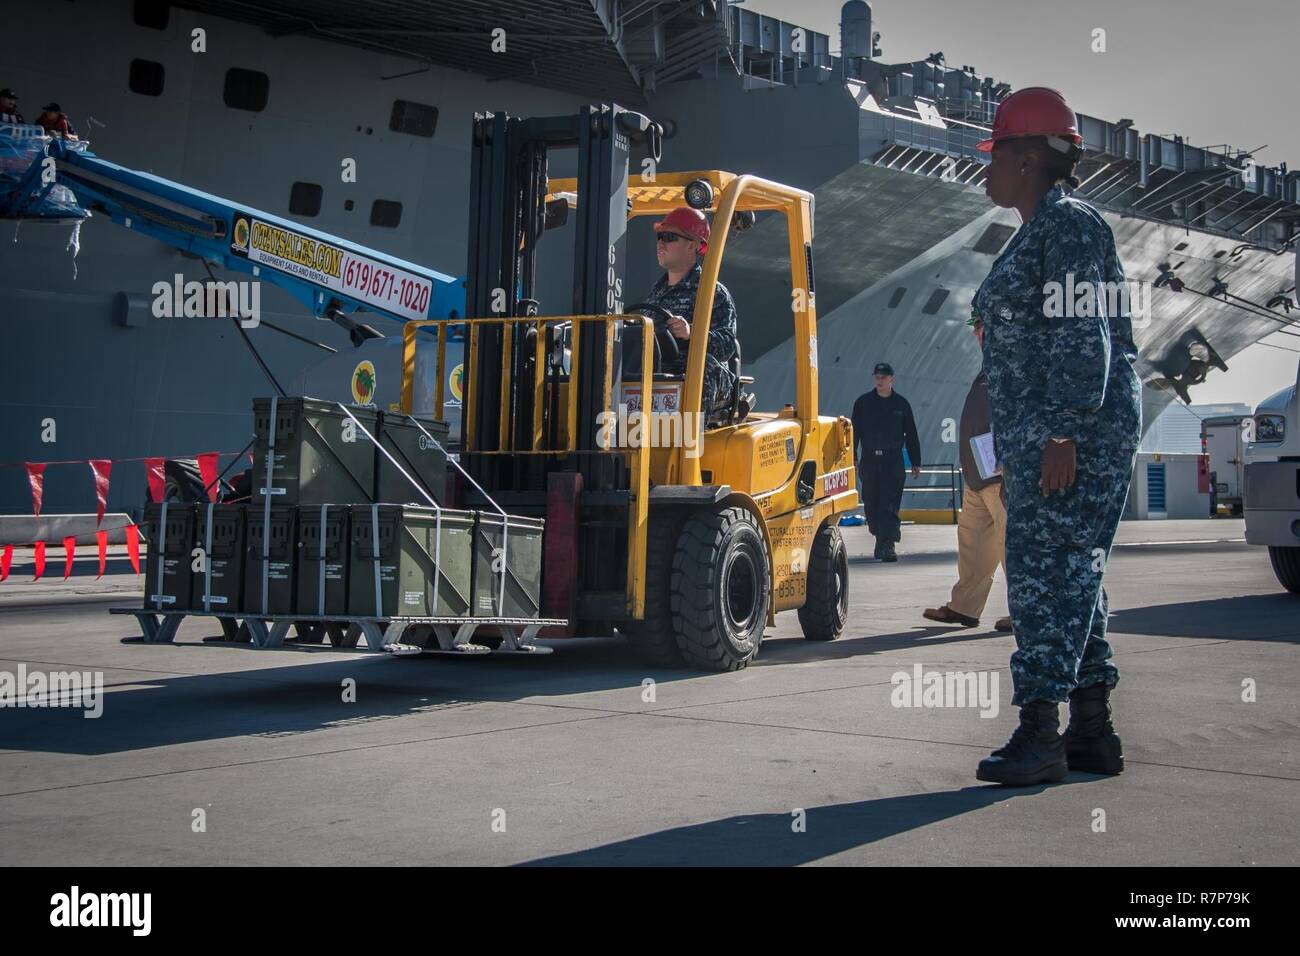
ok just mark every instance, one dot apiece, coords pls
pixel 887 552
pixel 1091 744
pixel 1034 754
pixel 879 552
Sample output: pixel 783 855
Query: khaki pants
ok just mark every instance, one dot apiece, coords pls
pixel 981 537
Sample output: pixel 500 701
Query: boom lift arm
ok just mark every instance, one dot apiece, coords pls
pixel 332 277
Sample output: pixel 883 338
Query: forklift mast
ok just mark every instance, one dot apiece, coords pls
pixel 507 217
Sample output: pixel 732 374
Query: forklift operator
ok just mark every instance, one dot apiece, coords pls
pixel 680 239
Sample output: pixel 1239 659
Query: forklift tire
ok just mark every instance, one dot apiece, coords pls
pixel 652 639
pixel 826 606
pixel 721 589
pixel 1286 565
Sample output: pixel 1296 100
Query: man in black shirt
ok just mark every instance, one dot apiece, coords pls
pixel 882 425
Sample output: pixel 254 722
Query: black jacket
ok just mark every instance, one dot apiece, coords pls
pixel 885 424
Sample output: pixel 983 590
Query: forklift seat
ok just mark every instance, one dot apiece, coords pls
pixel 741 402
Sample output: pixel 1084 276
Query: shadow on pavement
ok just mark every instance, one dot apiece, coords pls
pixel 767 839
pixel 905 558
pixel 1249 617
pixel 784 650
pixel 308 696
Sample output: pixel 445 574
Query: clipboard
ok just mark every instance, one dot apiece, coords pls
pixel 986 459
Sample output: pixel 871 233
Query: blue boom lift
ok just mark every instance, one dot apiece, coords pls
pixel 55 180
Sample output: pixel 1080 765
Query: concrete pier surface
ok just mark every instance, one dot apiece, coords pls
pixel 226 754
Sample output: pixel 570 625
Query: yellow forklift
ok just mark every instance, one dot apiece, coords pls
pixel 685 535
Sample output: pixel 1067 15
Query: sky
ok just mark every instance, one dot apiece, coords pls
pixel 1214 72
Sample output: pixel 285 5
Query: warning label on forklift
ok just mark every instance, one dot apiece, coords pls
pixel 663 398
pixel 341 270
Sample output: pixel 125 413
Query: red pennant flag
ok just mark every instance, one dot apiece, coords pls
pixel 208 472
pixel 69 549
pixel 101 468
pixel 40 559
pixel 133 546
pixel 36 478
pixel 6 561
pixel 101 538
pixel 157 472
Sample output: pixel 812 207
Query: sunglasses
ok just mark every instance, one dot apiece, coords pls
pixel 669 237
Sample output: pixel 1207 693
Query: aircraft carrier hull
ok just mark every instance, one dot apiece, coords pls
pixel 900 247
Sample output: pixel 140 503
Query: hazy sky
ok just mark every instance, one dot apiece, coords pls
pixel 1213 71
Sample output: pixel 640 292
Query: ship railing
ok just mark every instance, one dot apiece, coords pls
pixel 943 497
pixel 937 134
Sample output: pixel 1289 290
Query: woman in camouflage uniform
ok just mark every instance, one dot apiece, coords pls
pixel 1067 410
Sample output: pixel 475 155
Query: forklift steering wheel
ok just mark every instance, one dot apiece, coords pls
pixel 667 347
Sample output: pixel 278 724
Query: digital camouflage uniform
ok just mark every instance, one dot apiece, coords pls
pixel 679 299
pixel 1065 377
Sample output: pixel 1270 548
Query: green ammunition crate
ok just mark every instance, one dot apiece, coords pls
pixel 282 553
pixel 323 579
pixel 517 555
pixel 169 531
pixel 219 531
pixel 408 544
pixel 314 463
pixel 420 458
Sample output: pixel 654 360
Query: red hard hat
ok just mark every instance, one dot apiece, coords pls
pixel 687 222
pixel 1033 111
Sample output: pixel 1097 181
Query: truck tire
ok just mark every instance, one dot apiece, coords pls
pixel 1286 565
pixel 653 639
pixel 826 607
pixel 721 589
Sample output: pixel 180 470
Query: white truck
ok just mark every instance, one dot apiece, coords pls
pixel 1271 489
pixel 1272 483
